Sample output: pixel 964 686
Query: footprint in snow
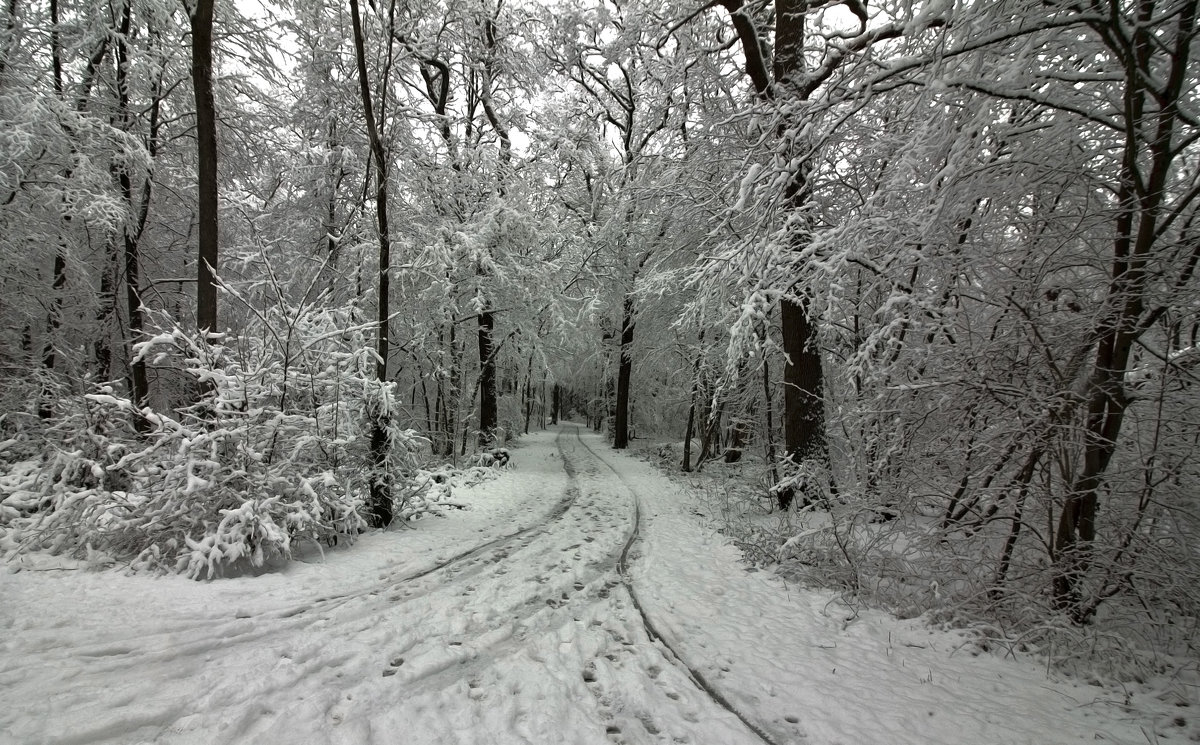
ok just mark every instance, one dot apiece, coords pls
pixel 393 666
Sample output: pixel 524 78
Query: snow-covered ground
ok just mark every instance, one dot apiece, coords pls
pixel 579 599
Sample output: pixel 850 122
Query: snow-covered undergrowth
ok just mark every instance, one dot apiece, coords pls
pixel 912 568
pixel 272 450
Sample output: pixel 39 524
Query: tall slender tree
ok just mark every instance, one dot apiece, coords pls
pixel 381 497
pixel 207 228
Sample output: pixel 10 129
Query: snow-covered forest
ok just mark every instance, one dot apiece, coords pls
pixel 902 293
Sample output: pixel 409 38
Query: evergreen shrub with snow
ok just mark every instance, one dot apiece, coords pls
pixel 273 449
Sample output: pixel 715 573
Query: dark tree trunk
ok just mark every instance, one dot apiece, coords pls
pixel 139 387
pixel 1022 483
pixel 738 434
pixel 1157 51
pixel 803 401
pixel 488 394
pixel 380 482
pixel 543 402
pixel 712 428
pixel 488 416
pixel 206 155
pixel 54 314
pixel 53 324
pixel 739 424
pixel 769 430
pixel 803 384
pixel 106 314
pixel 624 373
pixel 448 392
pixel 527 400
pixel 556 403
pixel 332 237
pixel 686 466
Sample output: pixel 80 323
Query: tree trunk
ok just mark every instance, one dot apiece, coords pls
pixel 712 427
pixel 527 394
pixel 624 373
pixel 803 399
pixel 686 465
pixel 690 430
pixel 488 416
pixel 206 155
pixel 1154 55
pixel 54 314
pixel 769 429
pixel 53 324
pixel 542 403
pixel 380 482
pixel 138 384
pixel 738 434
pixel 488 394
pixel 106 314
pixel 739 424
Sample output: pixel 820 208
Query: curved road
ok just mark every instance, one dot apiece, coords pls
pixel 532 635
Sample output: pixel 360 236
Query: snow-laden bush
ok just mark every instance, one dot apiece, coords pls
pixel 274 449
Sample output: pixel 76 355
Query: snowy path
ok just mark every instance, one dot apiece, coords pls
pixel 578 601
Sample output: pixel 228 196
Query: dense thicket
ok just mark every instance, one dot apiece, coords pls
pixel 925 269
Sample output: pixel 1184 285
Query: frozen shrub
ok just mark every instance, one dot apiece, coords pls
pixel 273 450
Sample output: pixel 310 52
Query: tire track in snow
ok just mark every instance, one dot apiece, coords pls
pixel 392 583
pixel 509 624
pixel 206 635
pixel 294 663
pixel 697 677
pixel 560 509
pixel 538 613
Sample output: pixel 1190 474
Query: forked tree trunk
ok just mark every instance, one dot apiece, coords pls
pixel 1158 52
pixel 803 400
